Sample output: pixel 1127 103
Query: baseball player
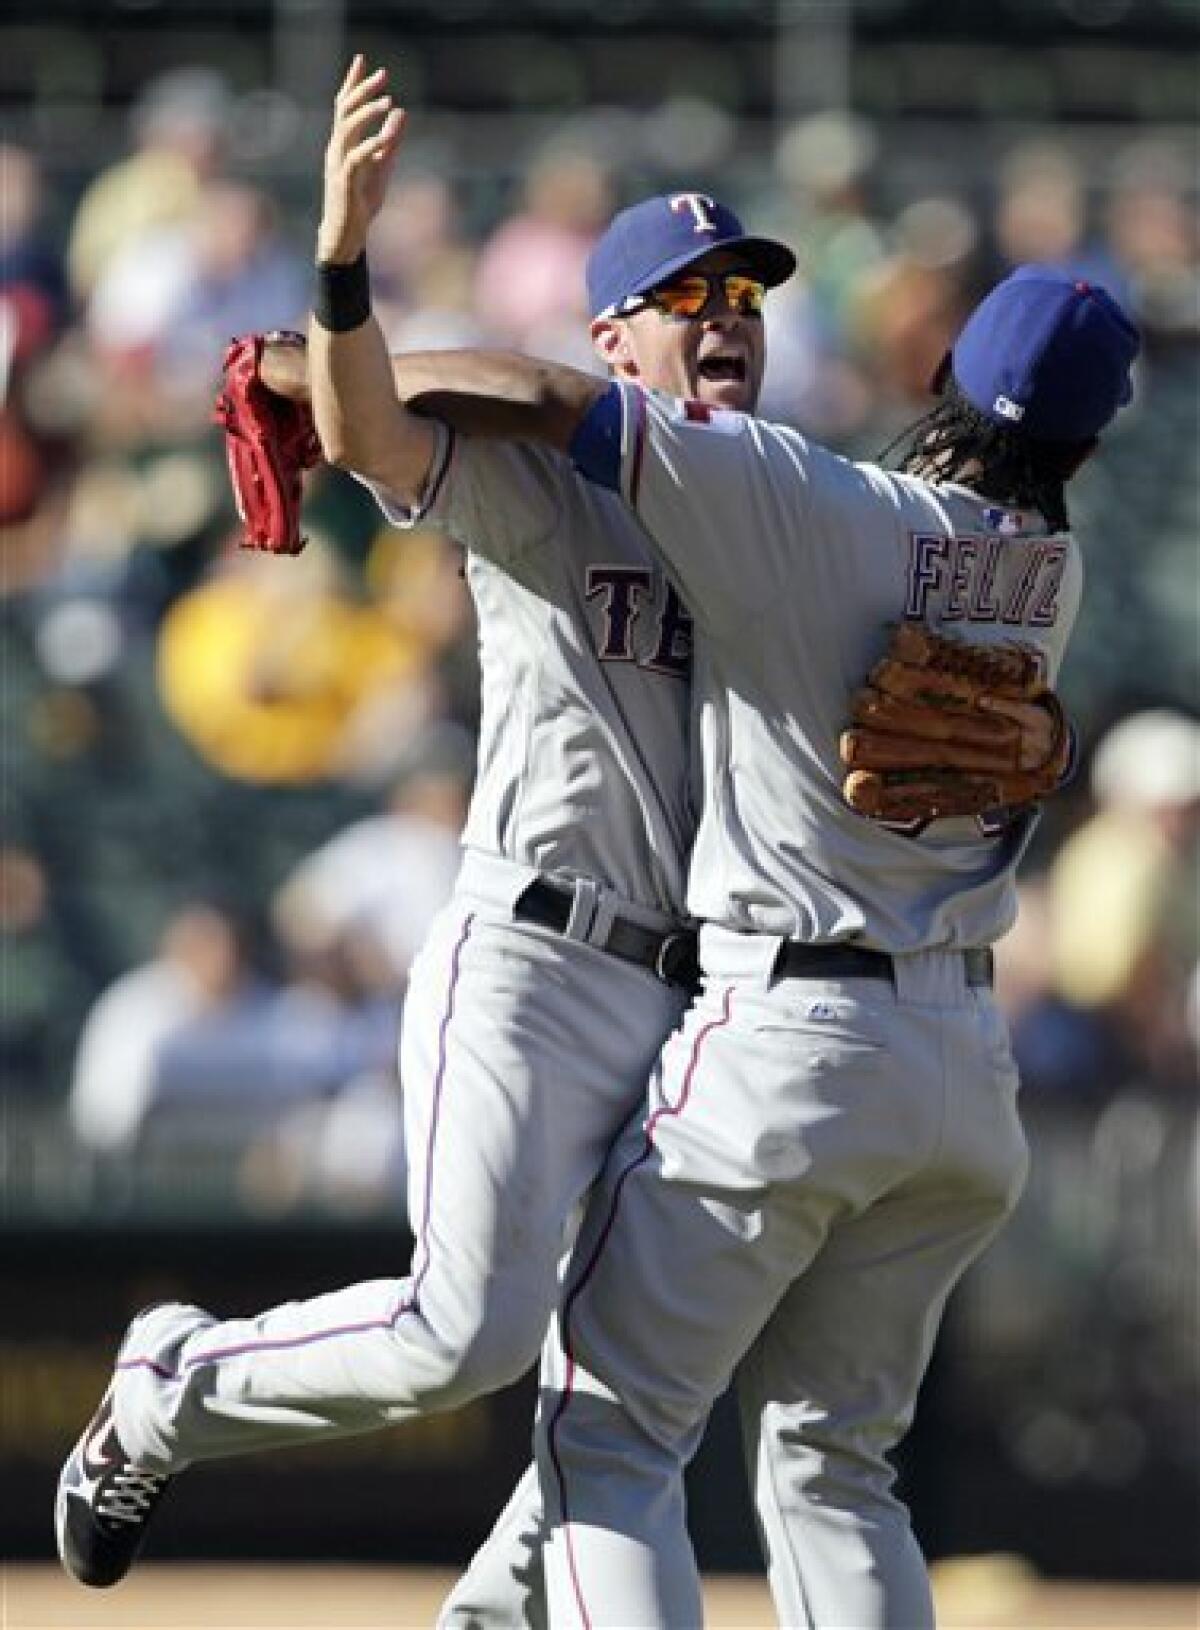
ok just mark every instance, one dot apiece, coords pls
pixel 536 1009
pixel 832 1133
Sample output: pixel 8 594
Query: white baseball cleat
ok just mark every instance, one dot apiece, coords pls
pixel 104 1503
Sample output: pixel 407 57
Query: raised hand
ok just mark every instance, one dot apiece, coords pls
pixel 363 141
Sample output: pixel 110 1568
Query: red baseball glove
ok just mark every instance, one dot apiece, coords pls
pixel 269 442
pixel 945 728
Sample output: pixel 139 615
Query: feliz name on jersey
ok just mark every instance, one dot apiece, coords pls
pixel 985 579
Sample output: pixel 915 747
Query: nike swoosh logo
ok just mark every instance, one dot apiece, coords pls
pixel 94 1461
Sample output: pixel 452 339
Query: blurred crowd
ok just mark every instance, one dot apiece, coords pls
pixel 233 785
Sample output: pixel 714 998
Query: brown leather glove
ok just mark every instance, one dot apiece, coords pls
pixel 945 728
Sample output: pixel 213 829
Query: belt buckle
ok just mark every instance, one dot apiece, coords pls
pixel 675 960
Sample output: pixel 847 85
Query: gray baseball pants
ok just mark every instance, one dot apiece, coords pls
pixel 821 1161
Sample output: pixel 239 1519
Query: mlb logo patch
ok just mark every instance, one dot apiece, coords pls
pixel 722 419
pixel 1007 522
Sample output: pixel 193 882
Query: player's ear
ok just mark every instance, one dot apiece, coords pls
pixel 612 344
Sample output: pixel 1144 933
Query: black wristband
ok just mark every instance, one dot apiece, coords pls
pixel 343 294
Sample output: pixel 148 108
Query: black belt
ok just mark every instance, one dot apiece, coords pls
pixel 669 953
pixel 796 960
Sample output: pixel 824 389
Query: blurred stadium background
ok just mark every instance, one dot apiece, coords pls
pixel 231 788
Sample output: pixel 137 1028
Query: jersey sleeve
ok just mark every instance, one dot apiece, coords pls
pixel 495 498
pixel 702 481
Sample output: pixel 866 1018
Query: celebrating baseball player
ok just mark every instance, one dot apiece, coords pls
pixel 832 1134
pixel 536 1010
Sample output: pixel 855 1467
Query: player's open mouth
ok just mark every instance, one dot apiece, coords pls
pixel 720 367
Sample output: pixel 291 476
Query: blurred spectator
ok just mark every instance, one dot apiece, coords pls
pixel 345 1152
pixel 199 1048
pixel 938 231
pixel 902 320
pixel 24 464
pixel 31 267
pixel 42 993
pixel 1061 1050
pixel 824 164
pixel 529 287
pixel 422 269
pixel 290 1087
pixel 1041 214
pixel 415 578
pixel 1154 229
pixel 268 1047
pixel 803 386
pixel 32 307
pixel 266 663
pixel 170 299
pixel 123 535
pixel 1123 896
pixel 179 126
pixel 378 885
pixel 201 965
pixel 244 277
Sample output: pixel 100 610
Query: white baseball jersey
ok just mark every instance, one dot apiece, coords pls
pixel 794 561
pixel 824 1153
pixel 583 746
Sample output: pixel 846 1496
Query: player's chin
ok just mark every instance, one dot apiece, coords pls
pixel 736 394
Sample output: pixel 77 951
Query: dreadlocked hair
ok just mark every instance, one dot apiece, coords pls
pixel 956 442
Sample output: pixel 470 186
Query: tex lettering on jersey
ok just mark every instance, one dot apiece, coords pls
pixel 642 619
pixel 991 579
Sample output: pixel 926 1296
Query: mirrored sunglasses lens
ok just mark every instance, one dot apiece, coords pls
pixel 687 298
pixel 745 295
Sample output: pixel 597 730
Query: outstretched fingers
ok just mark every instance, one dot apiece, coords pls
pixel 350 127
pixel 361 103
pixel 365 135
pixel 358 81
pixel 373 89
pixel 378 148
pixel 390 136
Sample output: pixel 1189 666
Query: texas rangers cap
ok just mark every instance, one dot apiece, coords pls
pixel 649 241
pixel 1047 354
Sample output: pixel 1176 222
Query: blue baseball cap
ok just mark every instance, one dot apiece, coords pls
pixel 648 242
pixel 1047 354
